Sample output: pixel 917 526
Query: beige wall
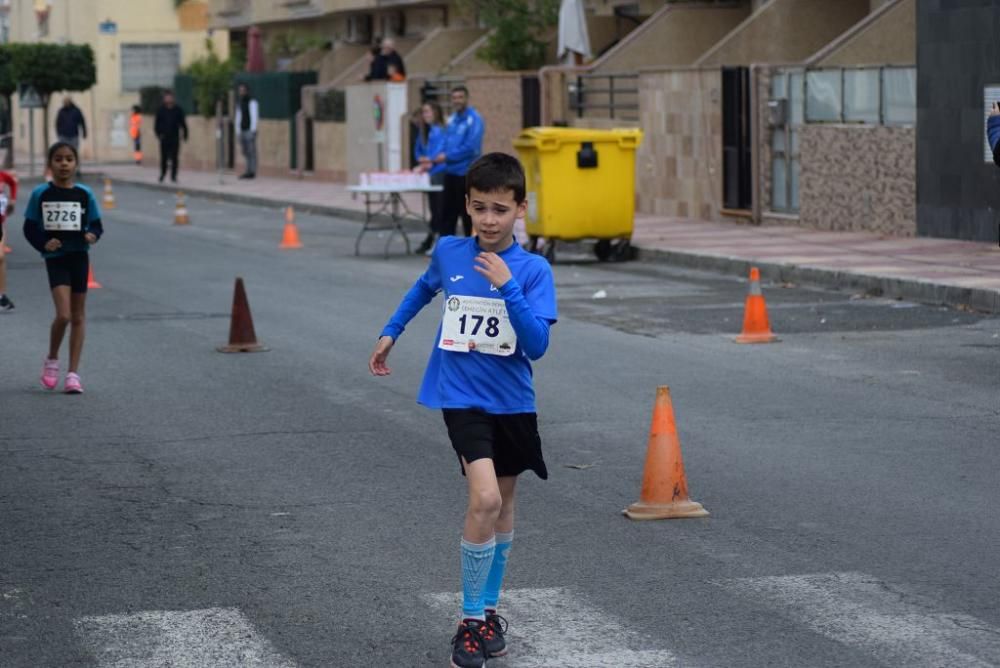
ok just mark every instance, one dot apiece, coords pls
pixel 497 98
pixel 786 31
pixel 679 164
pixel 859 178
pixel 888 38
pixel 439 48
pixel 676 35
pixel 106 107
pixel 329 147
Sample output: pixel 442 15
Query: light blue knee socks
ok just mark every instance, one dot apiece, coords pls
pixel 491 594
pixel 477 559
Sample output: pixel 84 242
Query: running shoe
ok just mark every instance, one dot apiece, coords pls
pixel 493 634
pixel 50 374
pixel 73 385
pixel 467 646
pixel 5 303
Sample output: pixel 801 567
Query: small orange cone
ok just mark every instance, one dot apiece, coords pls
pixel 242 338
pixel 180 211
pixel 756 328
pixel 664 487
pixel 91 281
pixel 109 196
pixel 290 238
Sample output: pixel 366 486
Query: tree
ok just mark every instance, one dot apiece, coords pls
pixel 8 85
pixel 213 77
pixel 50 68
pixel 519 33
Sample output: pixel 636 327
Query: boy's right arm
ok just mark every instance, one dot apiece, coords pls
pixel 416 298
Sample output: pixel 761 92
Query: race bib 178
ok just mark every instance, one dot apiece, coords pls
pixel 477 324
pixel 62 216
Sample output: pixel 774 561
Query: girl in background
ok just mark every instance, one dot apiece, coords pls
pixel 430 142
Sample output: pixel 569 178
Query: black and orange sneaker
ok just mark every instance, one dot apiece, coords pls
pixel 493 634
pixel 468 649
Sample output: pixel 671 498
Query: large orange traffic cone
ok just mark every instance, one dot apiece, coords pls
pixel 290 238
pixel 756 328
pixel 242 337
pixel 180 211
pixel 91 281
pixel 664 487
pixel 109 196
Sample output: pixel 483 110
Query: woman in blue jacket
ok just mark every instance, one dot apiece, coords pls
pixel 430 142
pixel 993 132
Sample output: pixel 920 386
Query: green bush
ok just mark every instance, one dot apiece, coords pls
pixel 519 34
pixel 213 77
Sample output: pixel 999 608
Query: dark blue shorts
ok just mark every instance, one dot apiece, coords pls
pixel 510 440
pixel 70 269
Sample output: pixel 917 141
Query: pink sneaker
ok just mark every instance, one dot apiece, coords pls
pixel 72 384
pixel 50 374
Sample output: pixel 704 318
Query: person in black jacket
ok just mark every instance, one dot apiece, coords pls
pixel 385 56
pixel 70 125
pixel 169 124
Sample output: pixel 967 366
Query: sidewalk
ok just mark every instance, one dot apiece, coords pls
pixel 935 271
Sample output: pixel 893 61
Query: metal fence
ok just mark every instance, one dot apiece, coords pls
pixel 611 95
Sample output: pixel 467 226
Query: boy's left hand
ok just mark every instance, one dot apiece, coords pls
pixel 90 238
pixel 493 268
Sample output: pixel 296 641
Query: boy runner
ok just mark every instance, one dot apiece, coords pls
pixel 499 303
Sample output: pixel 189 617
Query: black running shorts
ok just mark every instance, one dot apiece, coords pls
pixel 510 440
pixel 70 269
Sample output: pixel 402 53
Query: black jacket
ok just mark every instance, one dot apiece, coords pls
pixel 379 70
pixel 169 123
pixel 70 123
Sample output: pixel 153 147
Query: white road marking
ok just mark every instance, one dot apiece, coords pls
pixel 859 610
pixel 212 638
pixel 554 627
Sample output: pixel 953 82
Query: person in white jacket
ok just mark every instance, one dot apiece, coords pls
pixel 247 115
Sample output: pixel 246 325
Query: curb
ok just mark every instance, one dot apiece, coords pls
pixel 893 287
pixel 925 292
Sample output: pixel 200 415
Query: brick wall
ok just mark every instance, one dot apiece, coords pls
pixel 679 163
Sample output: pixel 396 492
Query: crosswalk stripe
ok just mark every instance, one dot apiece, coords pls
pixel 554 627
pixel 210 638
pixel 859 610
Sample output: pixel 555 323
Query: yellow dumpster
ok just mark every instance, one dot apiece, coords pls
pixel 581 185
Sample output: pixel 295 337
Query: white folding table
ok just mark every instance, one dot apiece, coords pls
pixel 390 201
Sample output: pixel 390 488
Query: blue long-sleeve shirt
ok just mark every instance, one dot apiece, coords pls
pixel 463 141
pixel 479 380
pixel 433 147
pixel 993 135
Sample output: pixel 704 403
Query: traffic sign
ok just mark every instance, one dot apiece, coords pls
pixel 29 98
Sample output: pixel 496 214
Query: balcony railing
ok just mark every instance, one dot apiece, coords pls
pixel 609 95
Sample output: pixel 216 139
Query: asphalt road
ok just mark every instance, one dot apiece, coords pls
pixel 287 509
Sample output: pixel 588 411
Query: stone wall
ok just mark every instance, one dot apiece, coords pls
pixel 679 163
pixel 859 178
pixel 497 98
pixel 329 148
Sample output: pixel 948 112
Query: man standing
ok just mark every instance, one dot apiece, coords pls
pixel 70 125
pixel 384 55
pixel 169 124
pixel 462 145
pixel 247 114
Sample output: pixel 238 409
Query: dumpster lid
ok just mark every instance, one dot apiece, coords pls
pixel 554 136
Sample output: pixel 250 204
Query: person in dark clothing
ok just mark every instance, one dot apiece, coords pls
pixel 387 55
pixel 247 115
pixel 168 127
pixel 70 125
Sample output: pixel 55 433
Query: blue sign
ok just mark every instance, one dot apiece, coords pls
pixel 108 27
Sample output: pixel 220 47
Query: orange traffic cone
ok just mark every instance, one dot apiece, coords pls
pixel 91 281
pixel 290 238
pixel 756 328
pixel 242 338
pixel 664 488
pixel 180 211
pixel 109 196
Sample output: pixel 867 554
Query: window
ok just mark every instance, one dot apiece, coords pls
pixel 876 96
pixel 824 94
pixel 149 65
pixel 899 95
pixel 861 96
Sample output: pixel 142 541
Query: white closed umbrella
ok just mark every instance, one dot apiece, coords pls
pixel 573 38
